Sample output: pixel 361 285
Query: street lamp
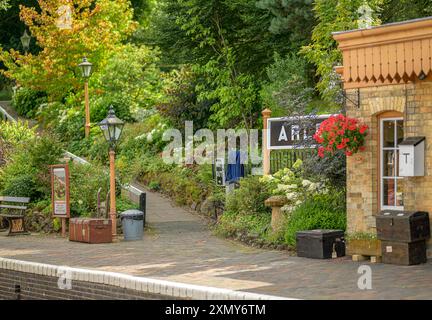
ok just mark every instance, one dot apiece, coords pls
pixel 86 67
pixel 25 41
pixel 112 128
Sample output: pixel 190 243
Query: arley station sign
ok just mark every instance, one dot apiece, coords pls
pixel 293 132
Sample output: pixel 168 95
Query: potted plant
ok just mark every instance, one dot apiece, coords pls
pixel 363 243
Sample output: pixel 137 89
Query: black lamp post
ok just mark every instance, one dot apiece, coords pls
pixel 86 68
pixel 25 41
pixel 112 128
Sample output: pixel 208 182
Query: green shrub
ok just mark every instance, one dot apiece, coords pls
pixel 123 204
pixel 231 224
pixel 21 185
pixel 100 106
pixel 154 185
pixel 185 185
pixel 249 197
pixel 16 132
pixel 27 171
pixel 319 212
pixel 5 94
pixel 85 181
pixel 12 135
pixel 26 101
pixel 331 169
pixel 70 127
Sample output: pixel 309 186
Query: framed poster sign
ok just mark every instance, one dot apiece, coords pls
pixel 60 190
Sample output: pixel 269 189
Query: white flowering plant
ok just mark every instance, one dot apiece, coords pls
pixel 290 183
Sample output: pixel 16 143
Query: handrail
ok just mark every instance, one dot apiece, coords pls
pixel 7 116
pixel 75 158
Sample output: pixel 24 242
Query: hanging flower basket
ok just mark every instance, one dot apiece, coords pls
pixel 341 133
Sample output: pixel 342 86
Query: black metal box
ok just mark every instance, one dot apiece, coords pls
pixel 403 253
pixel 320 244
pixel 405 226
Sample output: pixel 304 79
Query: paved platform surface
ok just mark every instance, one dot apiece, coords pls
pixel 180 247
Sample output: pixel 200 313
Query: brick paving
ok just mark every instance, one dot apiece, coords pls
pixel 179 247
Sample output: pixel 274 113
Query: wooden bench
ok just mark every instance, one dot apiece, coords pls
pixel 13 210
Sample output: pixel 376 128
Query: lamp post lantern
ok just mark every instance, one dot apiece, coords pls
pixel 86 68
pixel 112 128
pixel 25 41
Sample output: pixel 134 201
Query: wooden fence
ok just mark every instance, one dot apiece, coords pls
pixel 280 159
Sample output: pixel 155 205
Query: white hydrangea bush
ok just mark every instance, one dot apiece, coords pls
pixel 289 182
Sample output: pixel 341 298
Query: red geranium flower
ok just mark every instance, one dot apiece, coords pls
pixel 340 133
pixel 363 128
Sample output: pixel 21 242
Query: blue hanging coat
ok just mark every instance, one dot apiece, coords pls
pixel 236 170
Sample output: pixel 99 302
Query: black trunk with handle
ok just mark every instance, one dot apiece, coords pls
pixel 320 244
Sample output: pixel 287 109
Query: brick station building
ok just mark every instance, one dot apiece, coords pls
pixel 387 76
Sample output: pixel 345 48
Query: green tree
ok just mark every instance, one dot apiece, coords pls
pixel 195 31
pixel 400 10
pixel 236 94
pixel 228 43
pixel 96 30
pixel 333 15
pixel 130 81
pixel 142 10
pixel 294 17
pixel 288 90
pixel 181 100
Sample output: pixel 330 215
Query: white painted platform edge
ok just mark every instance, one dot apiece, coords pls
pixel 148 285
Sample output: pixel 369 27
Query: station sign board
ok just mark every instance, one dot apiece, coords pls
pixel 293 132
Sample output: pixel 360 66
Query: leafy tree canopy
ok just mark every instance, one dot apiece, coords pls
pixel 66 33
pixel 400 10
pixel 4 4
pixel 333 15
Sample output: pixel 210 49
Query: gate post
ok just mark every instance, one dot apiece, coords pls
pixel 266 113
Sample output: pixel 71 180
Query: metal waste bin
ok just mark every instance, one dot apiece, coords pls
pixel 132 223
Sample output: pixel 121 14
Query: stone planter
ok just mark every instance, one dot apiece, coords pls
pixel 364 247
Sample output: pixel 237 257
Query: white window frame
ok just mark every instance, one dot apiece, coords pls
pixel 381 176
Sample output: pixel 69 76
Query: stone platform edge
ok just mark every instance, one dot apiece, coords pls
pixel 165 288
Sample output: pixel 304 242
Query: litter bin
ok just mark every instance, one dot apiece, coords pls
pixel 132 222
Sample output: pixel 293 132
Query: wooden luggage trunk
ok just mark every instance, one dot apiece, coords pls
pixel 404 253
pixel 320 244
pixel 404 226
pixel 90 230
